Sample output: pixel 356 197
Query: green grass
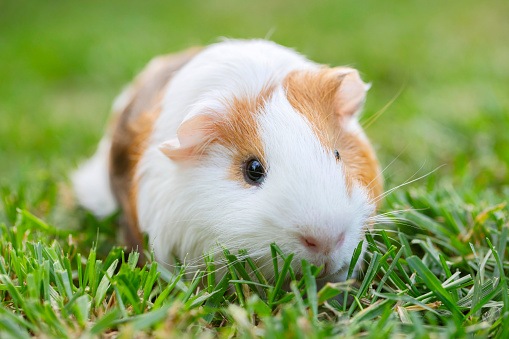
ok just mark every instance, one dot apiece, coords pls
pixel 442 275
pixel 436 270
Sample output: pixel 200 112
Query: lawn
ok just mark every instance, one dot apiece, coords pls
pixel 439 103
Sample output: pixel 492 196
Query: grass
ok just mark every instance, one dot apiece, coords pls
pixel 436 269
pixel 443 274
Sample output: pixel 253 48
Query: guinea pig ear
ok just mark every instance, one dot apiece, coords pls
pixel 350 94
pixel 191 135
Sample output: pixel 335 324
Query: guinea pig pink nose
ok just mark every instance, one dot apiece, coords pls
pixel 322 246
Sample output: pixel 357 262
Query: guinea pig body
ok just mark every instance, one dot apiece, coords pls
pixel 243 144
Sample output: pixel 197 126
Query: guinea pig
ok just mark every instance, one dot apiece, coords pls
pixel 242 144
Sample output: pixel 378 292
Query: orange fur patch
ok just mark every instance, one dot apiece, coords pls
pixel 361 164
pixel 313 94
pixel 238 131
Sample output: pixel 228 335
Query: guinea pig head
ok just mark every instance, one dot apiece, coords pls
pixel 289 165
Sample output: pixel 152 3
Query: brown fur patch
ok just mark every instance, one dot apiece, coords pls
pixel 360 162
pixel 128 144
pixel 130 131
pixel 313 94
pixel 238 131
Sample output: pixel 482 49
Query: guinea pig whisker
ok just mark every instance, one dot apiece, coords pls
pixel 390 213
pixel 397 221
pixel 382 223
pixel 401 221
pixel 406 182
pixel 383 230
pixel 390 221
pixel 369 121
pixel 368 186
pixel 386 193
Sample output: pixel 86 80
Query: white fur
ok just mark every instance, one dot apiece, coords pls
pixel 186 208
pixel 91 182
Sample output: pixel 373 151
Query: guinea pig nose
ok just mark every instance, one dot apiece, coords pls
pixel 322 245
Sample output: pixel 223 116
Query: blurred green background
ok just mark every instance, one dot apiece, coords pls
pixel 62 64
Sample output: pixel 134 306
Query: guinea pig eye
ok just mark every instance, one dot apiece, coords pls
pixel 336 153
pixel 254 173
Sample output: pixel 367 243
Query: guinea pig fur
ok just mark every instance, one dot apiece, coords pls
pixel 242 144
